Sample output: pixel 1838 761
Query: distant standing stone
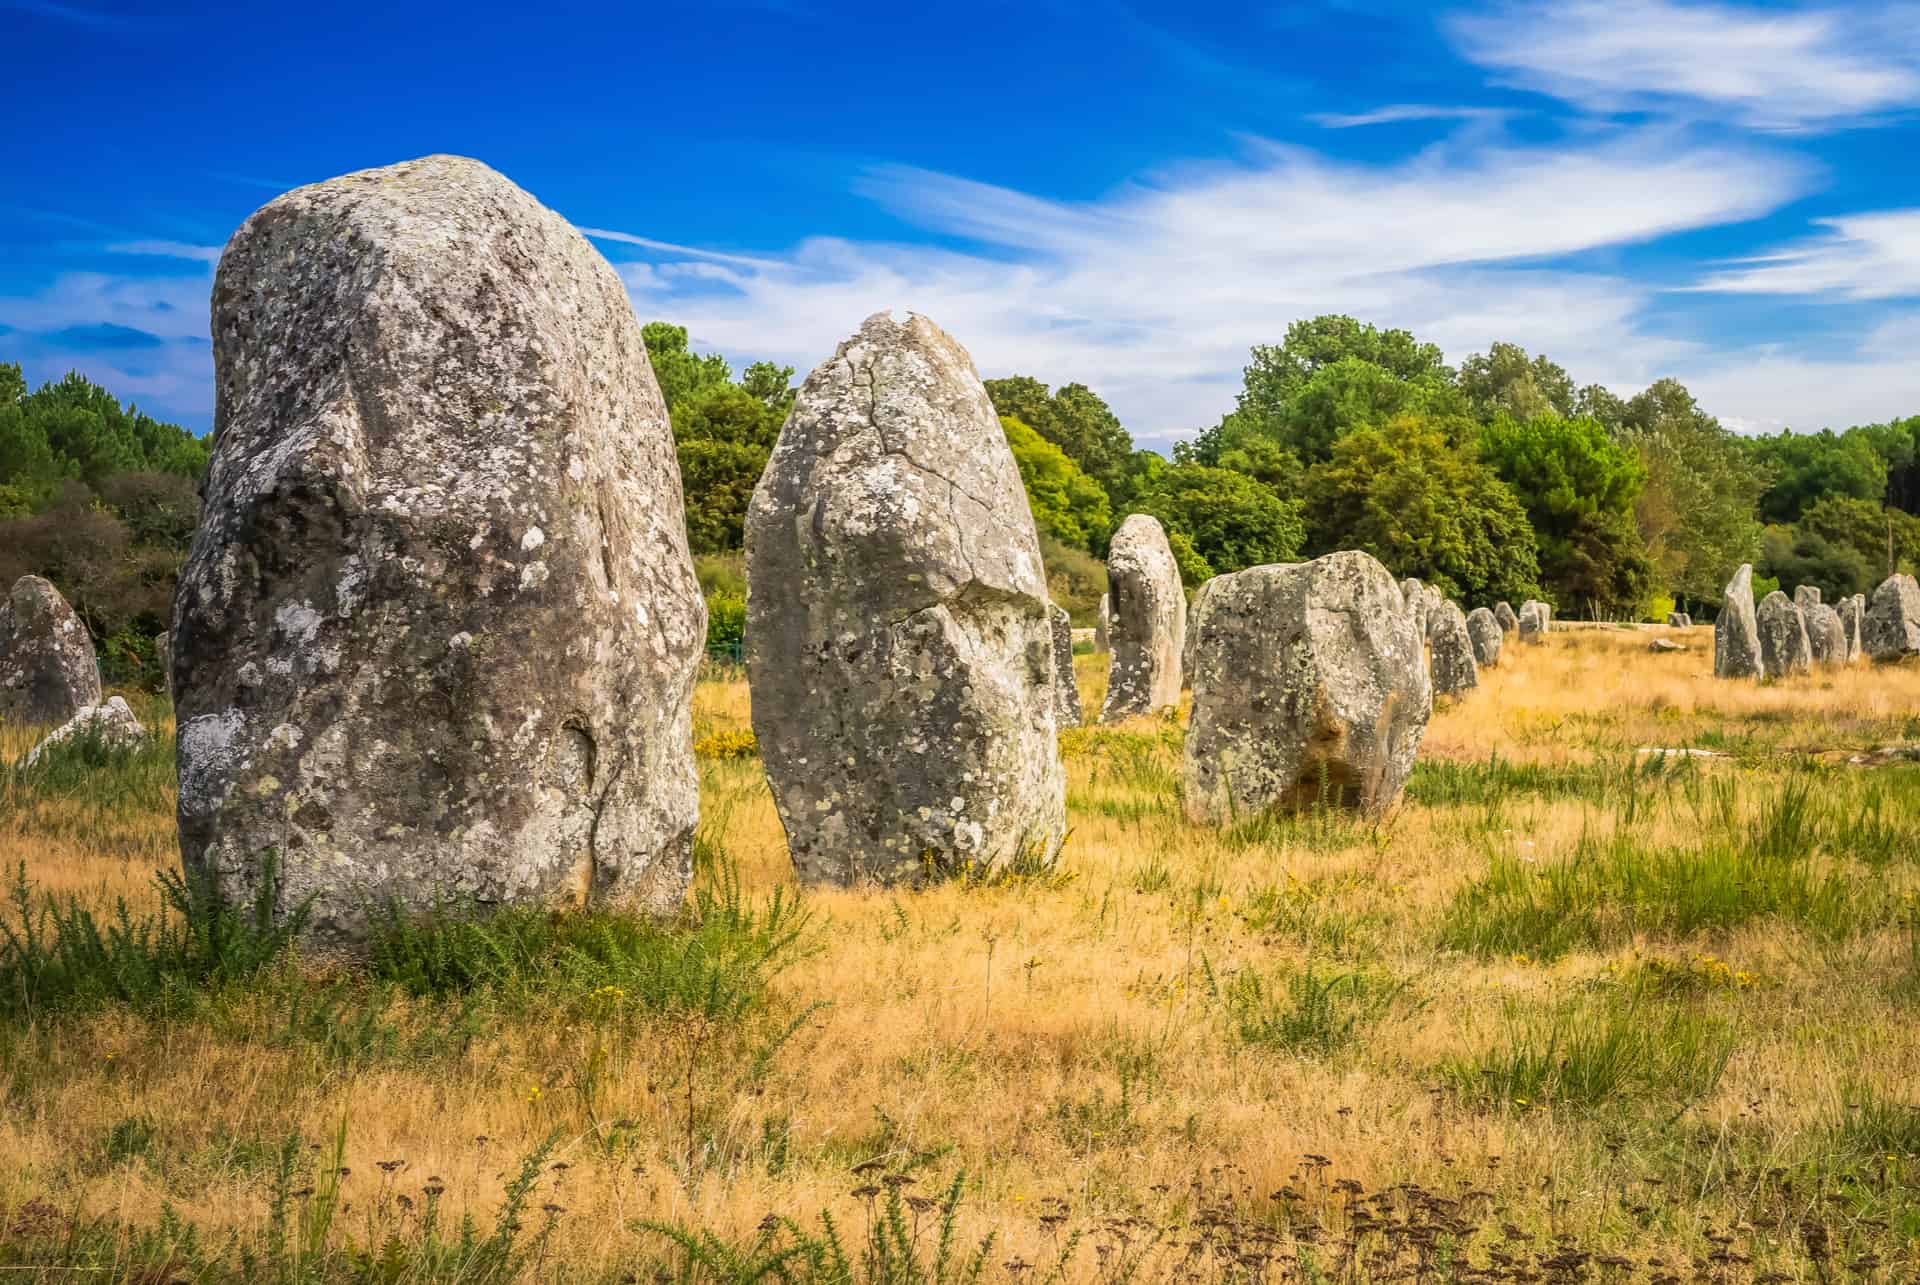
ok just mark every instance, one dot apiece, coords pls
pixel 1892 627
pixel 1310 688
pixel 1102 623
pixel 1149 626
pixel 1483 627
pixel 1784 648
pixel 1066 687
pixel 1736 633
pixel 1533 622
pixel 47 668
pixel 899 640
pixel 163 657
pixel 1504 613
pixel 1853 618
pixel 1452 665
pixel 112 722
pixel 1806 596
pixel 1414 594
pixel 435 641
pixel 1679 620
pixel 1826 635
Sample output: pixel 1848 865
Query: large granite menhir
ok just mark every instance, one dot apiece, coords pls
pixel 47 668
pixel 898 634
pixel 1784 646
pixel 1310 688
pixel 1483 627
pixel 1736 632
pixel 1891 630
pixel 1451 663
pixel 1149 628
pixel 435 641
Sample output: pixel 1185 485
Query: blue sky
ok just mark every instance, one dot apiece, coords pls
pixel 1124 194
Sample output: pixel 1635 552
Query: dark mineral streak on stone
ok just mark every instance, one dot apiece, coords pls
pixel 48 672
pixel 1310 687
pixel 437 634
pixel 898 635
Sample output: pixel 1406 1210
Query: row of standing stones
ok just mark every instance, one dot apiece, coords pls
pixel 1784 636
pixel 436 638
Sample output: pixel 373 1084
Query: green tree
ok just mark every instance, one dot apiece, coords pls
pixel 680 372
pixel 1279 372
pixel 1425 506
pixel 1696 509
pixel 1076 420
pixel 1578 487
pixel 1885 538
pixel 1067 504
pixel 723 434
pixel 1802 467
pixel 1230 520
pixel 1505 381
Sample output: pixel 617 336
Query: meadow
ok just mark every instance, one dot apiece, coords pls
pixel 1625 989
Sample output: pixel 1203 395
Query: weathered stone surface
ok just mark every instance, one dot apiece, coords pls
pixel 1784 648
pixel 437 633
pixel 1665 645
pixel 1853 619
pixel 898 635
pixel 1149 628
pixel 1679 620
pixel 1806 596
pixel 1195 611
pixel 163 657
pixel 1435 601
pixel 47 668
pixel 1483 627
pixel 1066 686
pixel 1310 686
pixel 112 722
pixel 1533 621
pixel 1508 618
pixel 1736 634
pixel 1826 635
pixel 1891 630
pixel 1102 625
pixel 1451 665
pixel 1414 595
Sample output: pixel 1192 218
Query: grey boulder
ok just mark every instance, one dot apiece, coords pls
pixel 1806 596
pixel 436 637
pixel 1736 632
pixel 1533 621
pixel 1853 619
pixel 1784 648
pixel 47 668
pixel 112 724
pixel 1892 627
pixel 1826 635
pixel 1451 663
pixel 1504 613
pixel 1310 688
pixel 1149 627
pixel 899 641
pixel 1483 627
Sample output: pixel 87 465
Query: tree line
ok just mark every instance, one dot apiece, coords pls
pixel 1499 479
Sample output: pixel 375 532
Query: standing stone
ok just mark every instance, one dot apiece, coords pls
pixel 1679 620
pixel 1892 627
pixel 1414 595
pixel 1102 641
pixel 1736 634
pixel 899 641
pixel 1310 688
pixel 1533 622
pixel 1806 596
pixel 1853 619
pixel 1826 635
pixel 1066 687
pixel 163 657
pixel 1784 648
pixel 1149 621
pixel 1483 627
pixel 1504 613
pixel 1196 612
pixel 1452 664
pixel 435 640
pixel 47 668
pixel 1430 613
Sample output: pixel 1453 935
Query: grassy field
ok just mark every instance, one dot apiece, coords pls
pixel 1575 1011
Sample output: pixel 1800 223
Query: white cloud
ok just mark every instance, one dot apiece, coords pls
pixel 1766 68
pixel 1861 256
pixel 1770 388
pixel 1153 294
pixel 1398 113
pixel 170 307
pixel 168 250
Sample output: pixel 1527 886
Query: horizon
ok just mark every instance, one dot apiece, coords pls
pixel 1102 194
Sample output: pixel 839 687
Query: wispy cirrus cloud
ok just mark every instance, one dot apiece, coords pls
pixel 1859 256
pixel 168 250
pixel 1153 293
pixel 1400 113
pixel 1794 69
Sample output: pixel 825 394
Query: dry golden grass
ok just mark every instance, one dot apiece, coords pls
pixel 1076 1037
